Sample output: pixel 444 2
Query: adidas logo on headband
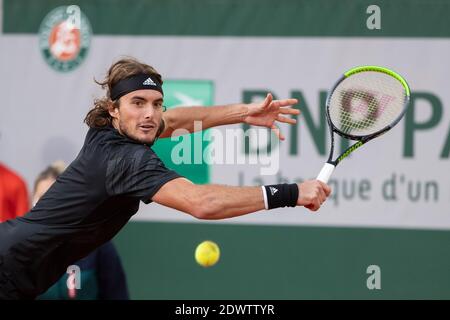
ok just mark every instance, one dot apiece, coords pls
pixel 149 82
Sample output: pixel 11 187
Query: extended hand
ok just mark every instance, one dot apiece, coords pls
pixel 267 112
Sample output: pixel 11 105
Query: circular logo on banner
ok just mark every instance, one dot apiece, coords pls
pixel 64 38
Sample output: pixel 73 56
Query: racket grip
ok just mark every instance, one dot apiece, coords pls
pixel 325 173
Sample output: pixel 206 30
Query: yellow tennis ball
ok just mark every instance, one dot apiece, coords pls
pixel 207 253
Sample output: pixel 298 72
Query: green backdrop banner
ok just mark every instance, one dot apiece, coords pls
pixel 400 18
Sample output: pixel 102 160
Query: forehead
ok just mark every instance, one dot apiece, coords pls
pixel 147 94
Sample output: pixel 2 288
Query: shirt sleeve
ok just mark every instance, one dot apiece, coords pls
pixel 139 174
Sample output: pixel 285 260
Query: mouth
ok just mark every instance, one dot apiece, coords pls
pixel 147 127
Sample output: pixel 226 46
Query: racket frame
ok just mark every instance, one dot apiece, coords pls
pixel 329 166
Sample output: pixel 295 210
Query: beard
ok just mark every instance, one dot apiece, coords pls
pixel 148 141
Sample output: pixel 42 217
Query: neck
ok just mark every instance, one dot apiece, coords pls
pixel 116 126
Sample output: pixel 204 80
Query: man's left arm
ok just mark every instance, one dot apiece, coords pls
pixel 264 114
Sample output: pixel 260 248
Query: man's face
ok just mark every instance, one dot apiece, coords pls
pixel 139 115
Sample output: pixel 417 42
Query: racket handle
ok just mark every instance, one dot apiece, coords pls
pixel 326 172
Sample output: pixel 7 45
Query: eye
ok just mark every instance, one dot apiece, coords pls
pixel 139 103
pixel 158 105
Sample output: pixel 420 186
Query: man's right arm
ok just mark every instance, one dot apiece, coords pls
pixel 214 202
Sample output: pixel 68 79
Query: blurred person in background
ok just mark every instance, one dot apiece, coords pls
pixel 101 274
pixel 13 194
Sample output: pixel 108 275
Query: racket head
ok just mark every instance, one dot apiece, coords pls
pixel 366 102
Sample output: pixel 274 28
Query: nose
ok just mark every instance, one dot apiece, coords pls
pixel 149 112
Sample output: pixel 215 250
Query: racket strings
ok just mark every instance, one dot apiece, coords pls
pixel 366 103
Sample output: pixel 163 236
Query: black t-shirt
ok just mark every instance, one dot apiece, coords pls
pixel 86 206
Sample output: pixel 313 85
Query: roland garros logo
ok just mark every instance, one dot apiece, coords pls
pixel 64 37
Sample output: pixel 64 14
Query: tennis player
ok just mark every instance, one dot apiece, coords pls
pixel 116 169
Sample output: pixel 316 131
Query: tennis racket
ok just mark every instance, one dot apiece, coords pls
pixel 365 102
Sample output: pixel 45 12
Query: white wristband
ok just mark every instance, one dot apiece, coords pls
pixel 266 204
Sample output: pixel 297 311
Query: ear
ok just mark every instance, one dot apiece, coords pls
pixel 162 126
pixel 113 110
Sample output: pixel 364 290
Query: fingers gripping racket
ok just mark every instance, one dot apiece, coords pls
pixel 365 102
